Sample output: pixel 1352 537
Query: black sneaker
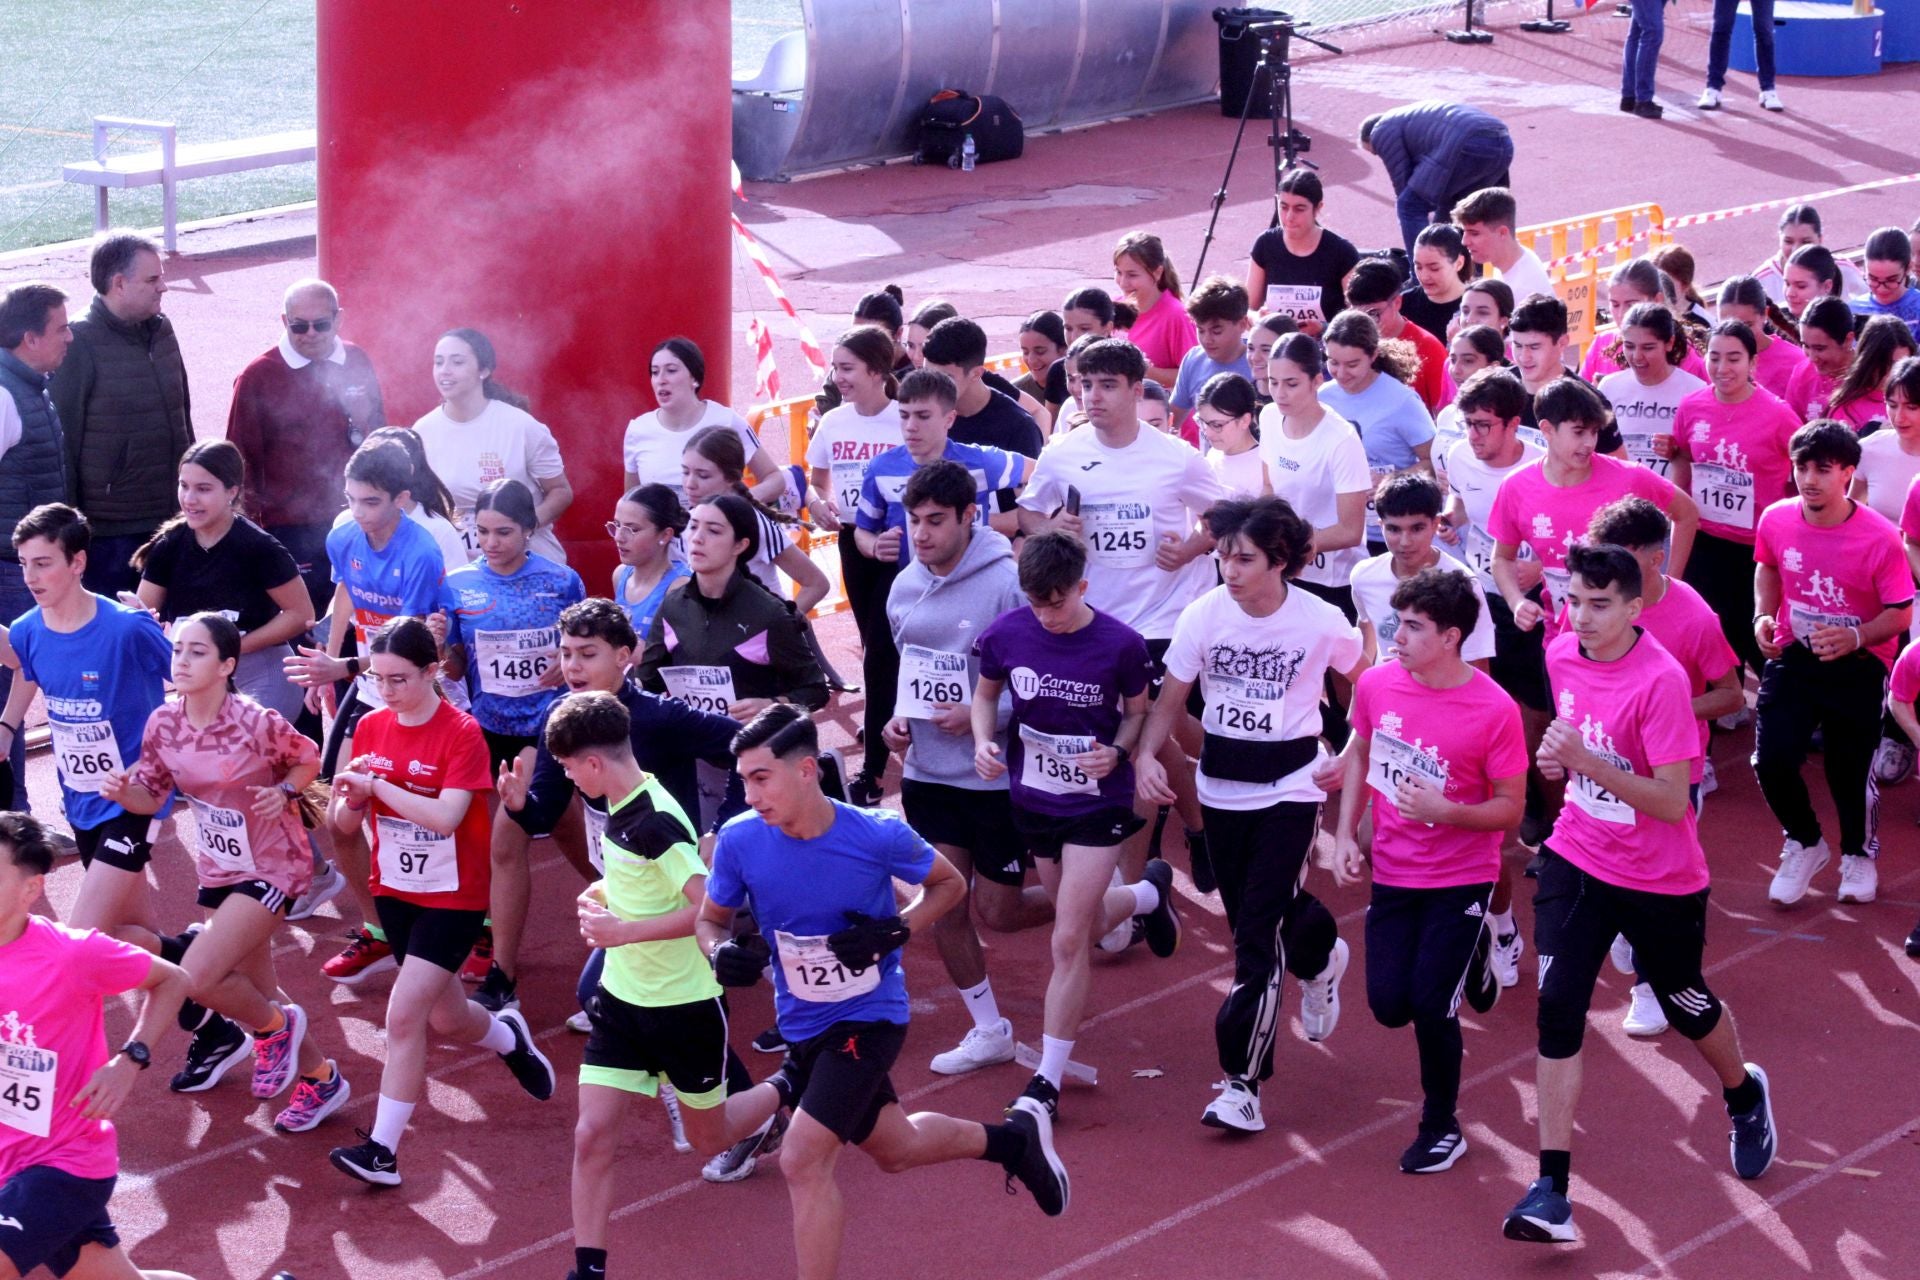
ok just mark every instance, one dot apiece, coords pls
pixel 1534 828
pixel 833 774
pixel 369 1162
pixel 529 1066
pixel 1163 922
pixel 496 992
pixel 1483 985
pixel 215 1050
pixel 1041 1092
pixel 1038 1167
pixel 1753 1139
pixel 1434 1151
pixel 193 1014
pixel 739 1161
pixel 1649 110
pixel 1628 104
pixel 1913 942
pixel 1201 863
pixel 1543 1216
pixel 770 1041
pixel 864 790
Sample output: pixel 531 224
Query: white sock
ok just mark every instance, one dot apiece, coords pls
pixel 981 1004
pixel 1053 1059
pixel 390 1121
pixel 499 1037
pixel 1145 897
pixel 1502 922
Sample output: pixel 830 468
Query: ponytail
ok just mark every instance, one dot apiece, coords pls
pixel 484 356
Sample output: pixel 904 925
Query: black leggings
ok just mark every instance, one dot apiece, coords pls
pixel 1333 718
pixel 1420 943
pixel 1722 572
pixel 868 582
pixel 1842 698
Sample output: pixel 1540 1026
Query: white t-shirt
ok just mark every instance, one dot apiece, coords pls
pixel 1774 281
pixel 1477 483
pixel 1261 678
pixel 1244 475
pixel 651 450
pixel 1373 588
pixel 1449 429
pixel 1644 412
pixel 502 443
pixel 844 442
pixel 1132 500
pixel 1888 472
pixel 1309 473
pixel 1527 276
pixel 10 425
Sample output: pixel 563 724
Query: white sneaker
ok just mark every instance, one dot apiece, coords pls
pixel 1621 954
pixel 1771 101
pixel 580 1023
pixel 1859 879
pixel 1798 864
pixel 978 1048
pixel 1709 780
pixel 1320 995
pixel 1505 958
pixel 671 1101
pixel 324 889
pixel 1118 938
pixel 1644 1017
pixel 1734 719
pixel 1892 762
pixel 1709 100
pixel 1237 1108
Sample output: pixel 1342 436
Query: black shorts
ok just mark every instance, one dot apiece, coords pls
pixel 1047 835
pixel 505 748
pixel 47 1216
pixel 346 718
pixel 439 935
pixel 1340 598
pixel 271 897
pixel 981 822
pixel 1157 655
pixel 1519 657
pixel 124 841
pixel 633 1047
pixel 842 1075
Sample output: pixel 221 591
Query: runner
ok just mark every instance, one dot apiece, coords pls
pixel 1833 593
pixel 1889 465
pixel 421 766
pixel 1218 309
pixel 1079 679
pixel 1093 311
pixel 1633 282
pixel 1373 289
pixel 713 465
pixel 1161 329
pixel 1370 389
pixel 241 768
pixel 821 878
pixel 1409 505
pixel 1225 412
pixel 1297 268
pixel 1645 395
pixel 926 405
pixel 1488 220
pixel 1624 859
pixel 651 447
pixel 1799 227
pixel 1473 348
pixel 1441 745
pixel 1812 273
pixel 59 1155
pixel 1858 398
pixel 1890 291
pixel 646 524
pixel 1486 301
pixel 1776 353
pixel 1266 334
pixel 1440 265
pixel 962 578
pixel 1902 690
pixel 1260 652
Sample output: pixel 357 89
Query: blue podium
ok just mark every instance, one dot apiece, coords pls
pixel 1816 39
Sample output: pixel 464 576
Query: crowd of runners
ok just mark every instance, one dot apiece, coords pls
pixel 1333 570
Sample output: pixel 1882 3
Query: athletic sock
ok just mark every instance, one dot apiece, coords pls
pixel 1005 1144
pixel 276 1026
pixel 373 931
pixel 1556 1166
pixel 588 1263
pixel 390 1121
pixel 1053 1059
pixel 1145 897
pixel 499 1037
pixel 981 1004
pixel 1502 922
pixel 1743 1097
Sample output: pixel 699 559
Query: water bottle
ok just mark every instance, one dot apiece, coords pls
pixel 968 152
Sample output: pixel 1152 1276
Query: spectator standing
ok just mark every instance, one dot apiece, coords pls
pixel 1437 153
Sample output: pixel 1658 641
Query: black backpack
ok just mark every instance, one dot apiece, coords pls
pixel 951 115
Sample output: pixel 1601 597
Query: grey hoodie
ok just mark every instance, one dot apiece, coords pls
pixel 949 614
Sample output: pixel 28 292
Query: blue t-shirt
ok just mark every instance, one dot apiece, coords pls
pixel 885 482
pixel 1195 368
pixel 510 627
pixel 101 683
pixel 1906 306
pixel 401 579
pixel 804 888
pixel 1391 419
pixel 641 615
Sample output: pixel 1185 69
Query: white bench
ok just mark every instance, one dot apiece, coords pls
pixel 173 164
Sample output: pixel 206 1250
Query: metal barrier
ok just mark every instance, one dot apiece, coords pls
pixel 1582 284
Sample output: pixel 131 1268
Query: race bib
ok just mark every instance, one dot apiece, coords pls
pixel 1246 709
pixel 512 662
pixel 845 478
pixel 1119 534
pixel 223 836
pixel 414 859
pixel 1046 766
pixel 1558 580
pixel 1391 761
pixel 928 677
pixel 1297 301
pixel 1724 494
pixel 1805 620
pixel 1640 451
pixel 469 533
pixel 1376 472
pixel 708 689
pixel 1598 802
pixel 596 822
pixel 26 1087
pixel 1477 544
pixel 85 752
pixel 816 975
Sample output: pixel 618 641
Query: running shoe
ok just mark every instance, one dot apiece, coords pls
pixel 1798 863
pixel 671 1101
pixel 369 1162
pixel 479 961
pixel 739 1161
pixel 1038 1167
pixel 770 1041
pixel 1644 1017
pixel 1627 104
pixel 1041 1092
pixel 1482 987
pixel 1320 995
pixel 1648 109
pixel 1709 780
pixel 580 1024
pixel 529 1066
pixel 1913 942
pixel 1709 100
pixel 833 773
pixel 1859 879
pixel 1201 863
pixel 1620 954
pixel 1434 1150
pixel 979 1048
pixel 326 886
pixel 864 790
pixel 496 991
pixel 1163 922
pixel 1543 1216
pixel 1507 950
pixel 1771 100
pixel 1735 719
pixel 1122 936
pixel 365 955
pixel 1237 1109
pixel 1753 1140
pixel 1892 762
pixel 215 1050
pixel 276 1056
pixel 313 1102
pixel 193 1015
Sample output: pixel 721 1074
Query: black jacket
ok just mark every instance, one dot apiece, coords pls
pixel 1419 143
pixel 33 471
pixel 747 629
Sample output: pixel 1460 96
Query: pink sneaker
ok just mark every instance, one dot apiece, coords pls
pixel 313 1102
pixel 276 1056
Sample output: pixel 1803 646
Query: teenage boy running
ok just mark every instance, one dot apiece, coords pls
pixel 1409 504
pixel 1218 308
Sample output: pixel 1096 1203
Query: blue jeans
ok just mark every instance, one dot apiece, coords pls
pixel 15 600
pixel 1717 44
pixel 1641 56
pixel 108 572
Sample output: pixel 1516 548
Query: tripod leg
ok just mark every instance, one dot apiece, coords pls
pixel 1220 196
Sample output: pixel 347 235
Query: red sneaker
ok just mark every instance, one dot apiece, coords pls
pixel 479 960
pixel 364 956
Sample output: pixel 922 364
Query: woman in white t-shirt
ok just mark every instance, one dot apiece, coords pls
pixel 482 432
pixel 713 465
pixel 1646 394
pixel 1225 409
pixel 650 452
pixel 1890 457
pixel 1316 462
pixel 865 424
pixel 1799 227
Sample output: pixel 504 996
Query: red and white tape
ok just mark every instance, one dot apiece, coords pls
pixel 766 385
pixel 809 346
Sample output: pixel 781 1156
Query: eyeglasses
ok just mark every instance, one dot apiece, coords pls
pixel 615 529
pixel 392 682
pixel 1886 282
pixel 1480 426
pixel 301 326
pixel 1214 424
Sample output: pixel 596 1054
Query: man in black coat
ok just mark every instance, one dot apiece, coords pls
pixel 1436 154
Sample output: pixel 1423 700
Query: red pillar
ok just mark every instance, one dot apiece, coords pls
pixel 550 172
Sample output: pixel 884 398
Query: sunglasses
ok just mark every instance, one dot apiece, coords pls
pixel 301 326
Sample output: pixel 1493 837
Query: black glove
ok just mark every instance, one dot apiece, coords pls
pixel 739 962
pixel 867 938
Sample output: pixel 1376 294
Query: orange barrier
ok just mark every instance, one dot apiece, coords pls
pixel 1633 229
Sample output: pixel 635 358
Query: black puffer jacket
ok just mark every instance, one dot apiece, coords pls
pixel 746 629
pixel 34 470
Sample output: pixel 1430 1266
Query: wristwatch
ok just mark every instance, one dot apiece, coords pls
pixel 137 1053
pixel 1125 755
pixel 353 668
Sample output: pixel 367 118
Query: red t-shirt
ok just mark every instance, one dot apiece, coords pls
pixel 410 862
pixel 1431 382
pixel 1689 630
pixel 1841 575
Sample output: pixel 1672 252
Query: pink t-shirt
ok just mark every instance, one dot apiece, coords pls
pixel 1531 511
pixel 1599 364
pixel 1808 390
pixel 1465 737
pixel 1838 576
pixel 1740 462
pixel 1164 332
pixel 1774 368
pixel 1689 630
pixel 1905 685
pixel 216 769
pixel 52 1040
pixel 1636 714
pixel 1910 514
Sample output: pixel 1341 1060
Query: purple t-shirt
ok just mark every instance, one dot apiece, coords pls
pixel 1065 688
